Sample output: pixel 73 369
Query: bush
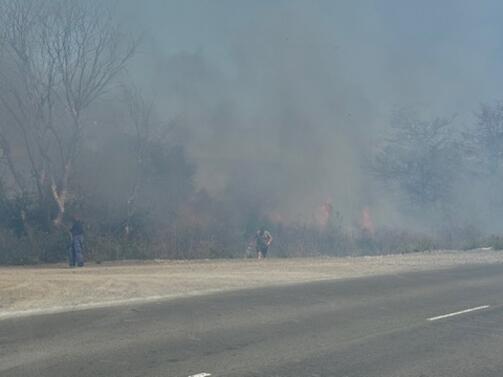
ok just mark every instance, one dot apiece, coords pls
pixel 496 242
pixel 40 247
pixel 105 247
pixel 16 250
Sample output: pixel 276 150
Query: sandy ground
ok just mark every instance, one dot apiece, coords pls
pixel 29 290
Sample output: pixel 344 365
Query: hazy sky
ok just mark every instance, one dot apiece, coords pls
pixel 425 52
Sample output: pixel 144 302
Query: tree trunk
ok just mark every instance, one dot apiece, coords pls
pixel 60 195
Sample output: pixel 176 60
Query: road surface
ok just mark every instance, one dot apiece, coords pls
pixel 419 324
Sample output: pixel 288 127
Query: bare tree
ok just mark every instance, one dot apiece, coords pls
pixel 140 114
pixel 90 51
pixel 65 55
pixel 420 157
pixel 28 79
pixel 486 139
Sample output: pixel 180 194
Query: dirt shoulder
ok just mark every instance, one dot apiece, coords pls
pixel 28 290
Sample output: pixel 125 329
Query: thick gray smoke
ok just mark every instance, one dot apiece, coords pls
pixel 286 100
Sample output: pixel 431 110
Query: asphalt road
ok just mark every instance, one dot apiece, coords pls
pixel 362 327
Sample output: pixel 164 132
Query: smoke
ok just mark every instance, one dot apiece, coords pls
pixel 284 101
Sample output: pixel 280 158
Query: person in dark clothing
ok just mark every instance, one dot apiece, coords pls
pixel 263 241
pixel 76 256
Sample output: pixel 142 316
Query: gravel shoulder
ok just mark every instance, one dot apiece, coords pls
pixel 54 288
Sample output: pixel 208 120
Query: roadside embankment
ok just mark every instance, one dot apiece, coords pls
pixel 53 288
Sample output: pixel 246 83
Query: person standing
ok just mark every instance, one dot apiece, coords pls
pixel 76 256
pixel 263 241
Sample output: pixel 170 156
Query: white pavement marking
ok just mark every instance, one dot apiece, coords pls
pixel 201 375
pixel 458 313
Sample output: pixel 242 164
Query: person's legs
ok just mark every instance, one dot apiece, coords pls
pixel 260 251
pixel 264 251
pixel 71 255
pixel 78 246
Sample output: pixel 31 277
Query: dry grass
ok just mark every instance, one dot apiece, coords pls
pixel 56 286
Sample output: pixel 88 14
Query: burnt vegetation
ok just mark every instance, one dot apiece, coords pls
pixel 78 136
